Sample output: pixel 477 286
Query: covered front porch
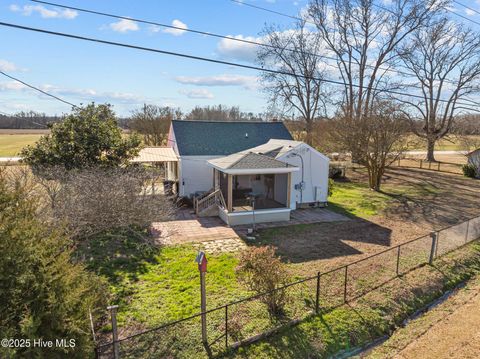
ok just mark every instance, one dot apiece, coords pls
pixel 255 188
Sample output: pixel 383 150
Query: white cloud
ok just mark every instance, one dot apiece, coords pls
pixel 45 13
pixel 248 82
pixel 8 66
pixel 124 26
pixel 469 12
pixel 176 32
pixel 239 50
pixel 197 94
pixel 85 95
pixel 12 86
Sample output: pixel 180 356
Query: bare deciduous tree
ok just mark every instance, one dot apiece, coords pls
pixel 445 59
pixel 221 113
pixel 153 123
pixel 299 89
pixel 363 36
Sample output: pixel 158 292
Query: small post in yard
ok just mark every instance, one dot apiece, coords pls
pixel 317 297
pixel 421 163
pixel 113 313
pixel 466 233
pixel 434 236
pixel 438 169
pixel 201 260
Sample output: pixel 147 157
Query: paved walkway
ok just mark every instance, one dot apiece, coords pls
pixel 213 235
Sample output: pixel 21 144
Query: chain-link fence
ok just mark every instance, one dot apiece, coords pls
pixel 249 319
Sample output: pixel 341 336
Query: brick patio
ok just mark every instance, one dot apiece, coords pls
pixel 188 228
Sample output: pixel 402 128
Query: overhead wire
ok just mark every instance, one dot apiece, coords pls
pixel 201 58
pixel 38 89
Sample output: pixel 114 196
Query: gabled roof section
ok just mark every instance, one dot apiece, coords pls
pixel 250 162
pixel 213 138
pixel 276 147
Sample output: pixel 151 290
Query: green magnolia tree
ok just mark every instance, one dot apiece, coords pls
pixel 43 294
pixel 88 137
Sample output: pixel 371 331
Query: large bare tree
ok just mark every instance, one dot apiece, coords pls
pixel 297 88
pixel 381 138
pixel 444 59
pixel 363 36
pixel 153 123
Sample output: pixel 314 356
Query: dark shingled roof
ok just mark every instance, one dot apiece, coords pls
pixel 211 138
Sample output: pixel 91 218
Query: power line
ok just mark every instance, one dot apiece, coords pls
pixel 241 2
pixel 336 59
pixel 205 59
pixel 39 90
pixel 466 7
pixel 199 32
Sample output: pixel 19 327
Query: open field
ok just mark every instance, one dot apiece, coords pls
pixel 12 143
pixel 450 330
pixel 452 143
pixel 13 140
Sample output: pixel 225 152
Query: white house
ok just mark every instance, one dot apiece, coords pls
pixel 245 171
pixel 474 160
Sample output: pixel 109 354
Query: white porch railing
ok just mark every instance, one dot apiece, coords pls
pixel 209 200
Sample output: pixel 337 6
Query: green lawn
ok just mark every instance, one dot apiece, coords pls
pixel 157 285
pixel 356 199
pixel 11 144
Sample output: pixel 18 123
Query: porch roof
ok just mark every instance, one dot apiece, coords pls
pixel 156 154
pixel 250 163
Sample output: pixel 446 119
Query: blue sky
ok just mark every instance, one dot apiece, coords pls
pixel 81 72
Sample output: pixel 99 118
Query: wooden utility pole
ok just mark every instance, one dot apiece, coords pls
pixel 201 260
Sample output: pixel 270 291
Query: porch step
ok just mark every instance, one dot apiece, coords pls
pixel 211 211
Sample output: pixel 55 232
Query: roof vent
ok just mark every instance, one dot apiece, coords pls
pixel 246 135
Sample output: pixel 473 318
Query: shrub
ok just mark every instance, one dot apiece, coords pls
pixel 43 293
pixel 94 200
pixel 469 171
pixel 263 272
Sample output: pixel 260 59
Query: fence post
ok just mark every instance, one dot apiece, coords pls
pixel 317 297
pixel 430 165
pixel 398 161
pixel 468 228
pixel 113 313
pixel 226 326
pixel 438 166
pixel 345 285
pixel 398 260
pixel 434 236
pixel 421 163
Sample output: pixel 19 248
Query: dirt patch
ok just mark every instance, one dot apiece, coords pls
pixel 450 330
pixel 430 201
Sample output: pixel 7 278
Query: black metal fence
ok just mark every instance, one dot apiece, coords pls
pixel 246 320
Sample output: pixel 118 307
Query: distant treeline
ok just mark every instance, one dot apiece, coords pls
pixel 37 120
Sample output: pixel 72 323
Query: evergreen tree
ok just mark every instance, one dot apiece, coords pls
pixel 43 294
pixel 88 137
